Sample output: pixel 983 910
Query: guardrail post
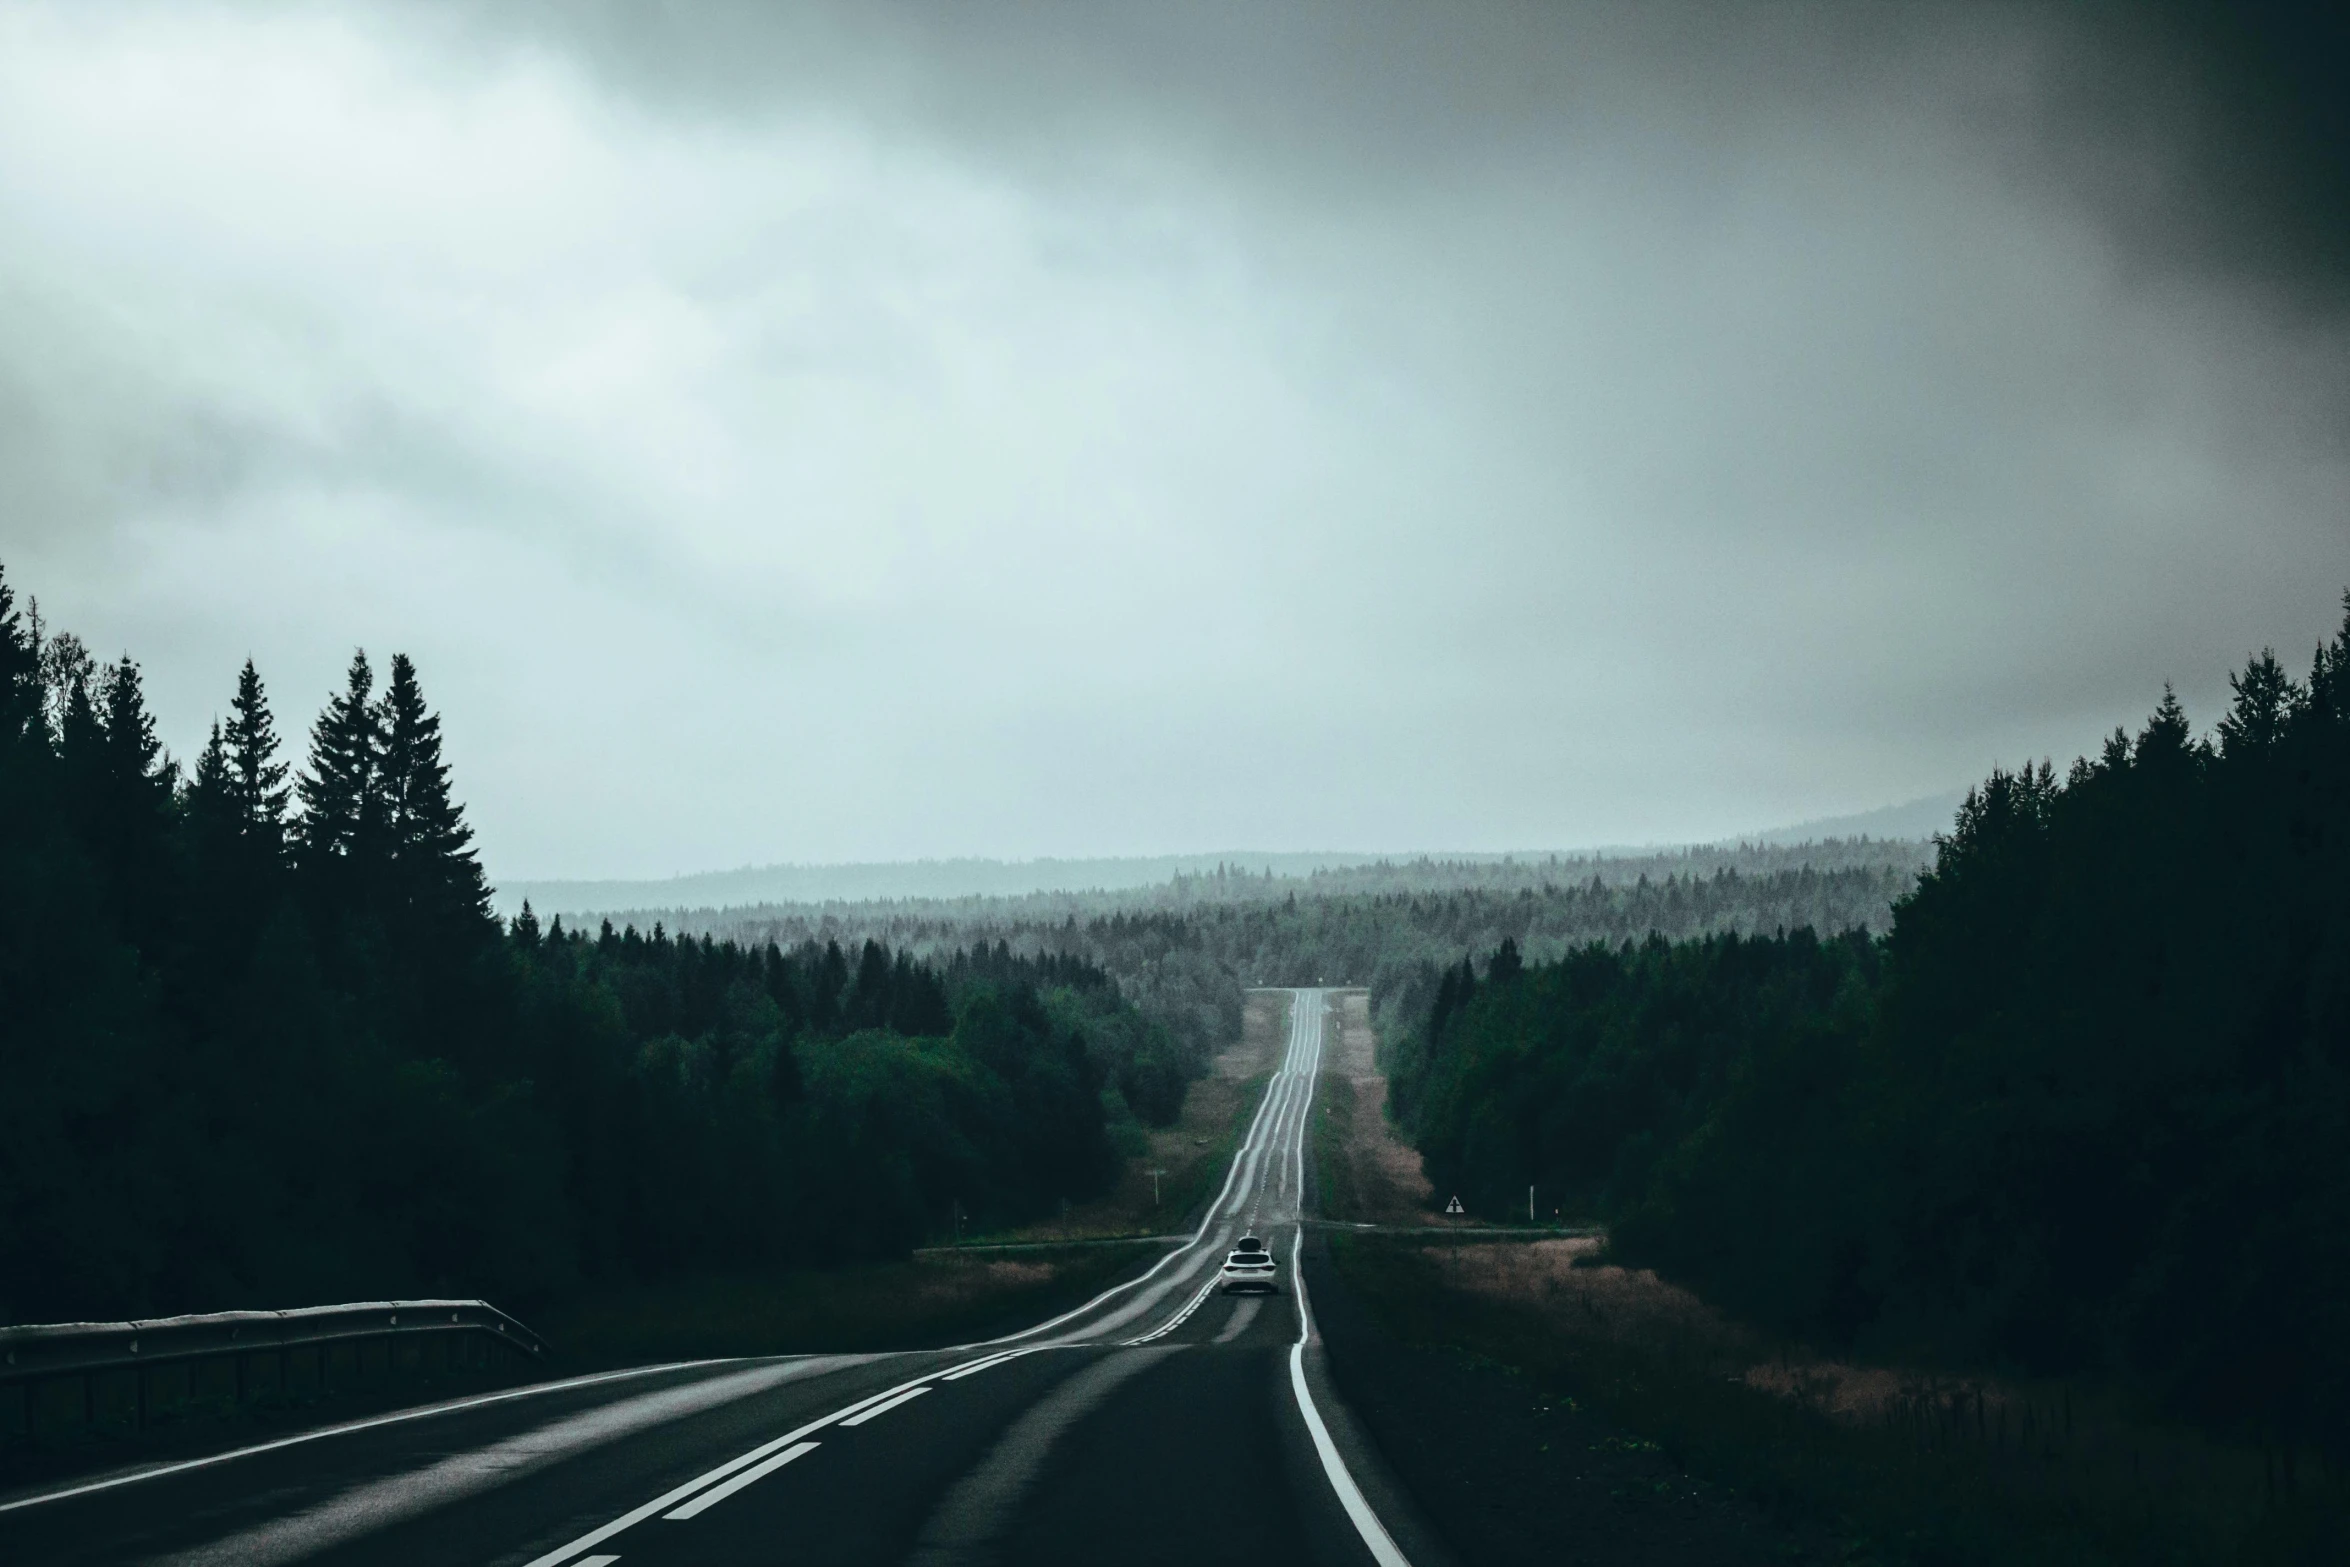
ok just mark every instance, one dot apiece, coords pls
pixel 59 1381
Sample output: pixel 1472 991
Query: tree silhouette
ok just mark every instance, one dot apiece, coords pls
pixel 258 791
pixel 341 790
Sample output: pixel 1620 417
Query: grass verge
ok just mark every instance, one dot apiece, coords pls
pixel 1921 1477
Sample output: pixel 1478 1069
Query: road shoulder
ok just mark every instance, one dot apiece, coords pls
pixel 1508 1472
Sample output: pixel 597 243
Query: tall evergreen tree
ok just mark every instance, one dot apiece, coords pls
pixel 134 754
pixel 2168 740
pixel 234 861
pixel 2266 701
pixel 256 778
pixel 342 790
pixel 207 805
pixel 434 869
pixel 215 921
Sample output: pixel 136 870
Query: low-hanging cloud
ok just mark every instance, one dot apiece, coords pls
pixel 802 433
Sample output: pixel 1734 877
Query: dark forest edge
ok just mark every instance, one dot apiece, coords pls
pixel 2084 1109
pixel 265 1043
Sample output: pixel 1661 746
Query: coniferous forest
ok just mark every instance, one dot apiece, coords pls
pixel 262 1043
pixel 1187 959
pixel 2084 1109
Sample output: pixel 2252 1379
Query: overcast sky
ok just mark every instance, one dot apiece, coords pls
pixel 890 431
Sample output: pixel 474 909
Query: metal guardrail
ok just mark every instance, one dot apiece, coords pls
pixel 66 1374
pixel 61 1348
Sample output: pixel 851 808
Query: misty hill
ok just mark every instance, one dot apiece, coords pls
pixel 1917 819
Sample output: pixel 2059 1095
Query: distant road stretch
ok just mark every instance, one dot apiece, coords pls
pixel 1159 1422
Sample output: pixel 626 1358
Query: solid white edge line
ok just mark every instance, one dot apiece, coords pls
pixel 369 1424
pixel 1350 1495
pixel 719 1493
pixel 907 1397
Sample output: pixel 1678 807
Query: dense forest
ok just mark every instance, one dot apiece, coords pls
pixel 1186 963
pixel 262 1042
pixel 2085 1108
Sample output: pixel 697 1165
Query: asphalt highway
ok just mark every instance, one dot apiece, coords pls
pixel 1160 1422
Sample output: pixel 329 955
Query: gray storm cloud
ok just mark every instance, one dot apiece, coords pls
pixel 805 433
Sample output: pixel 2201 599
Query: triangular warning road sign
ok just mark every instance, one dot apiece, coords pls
pixel 1454 1206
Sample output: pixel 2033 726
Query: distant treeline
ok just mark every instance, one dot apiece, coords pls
pixel 2086 1107
pixel 262 1043
pixel 1188 967
pixel 998 890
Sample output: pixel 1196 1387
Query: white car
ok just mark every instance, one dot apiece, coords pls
pixel 1250 1267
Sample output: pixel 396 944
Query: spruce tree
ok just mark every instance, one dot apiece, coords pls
pixel 2168 740
pixel 211 849
pixel 434 871
pixel 341 792
pixel 256 780
pixel 207 804
pixel 2266 701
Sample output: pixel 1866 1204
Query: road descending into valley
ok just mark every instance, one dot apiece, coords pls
pixel 1159 1422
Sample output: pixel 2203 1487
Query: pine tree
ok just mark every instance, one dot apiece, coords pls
pixel 434 871
pixel 342 791
pixel 256 781
pixel 208 826
pixel 2267 700
pixel 2168 739
pixel 207 799
pixel 134 754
